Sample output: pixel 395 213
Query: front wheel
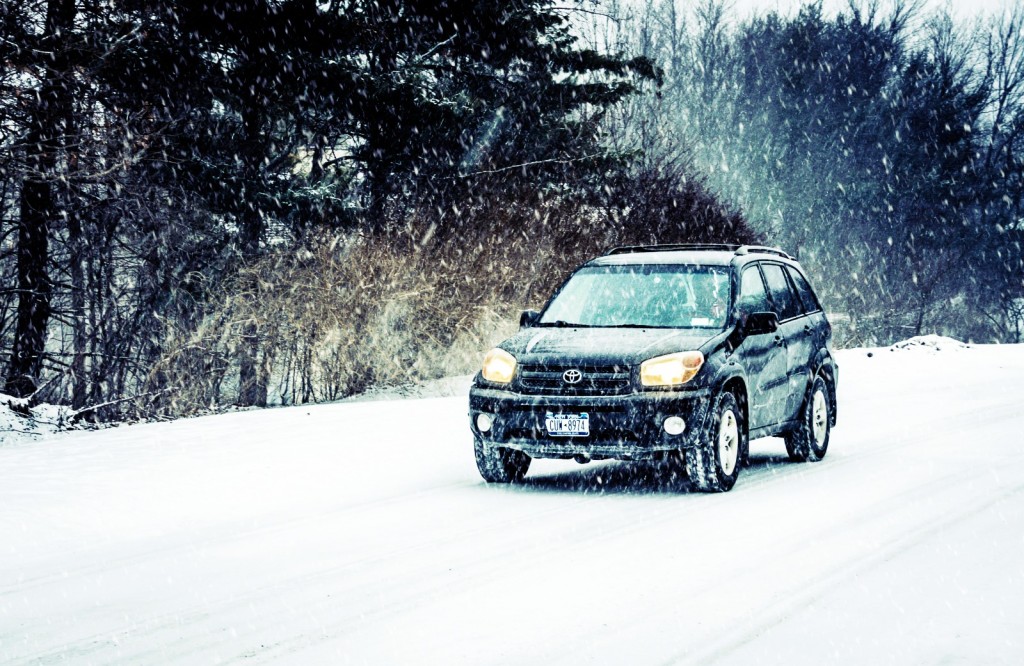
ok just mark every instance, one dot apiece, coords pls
pixel 713 465
pixel 809 442
pixel 500 465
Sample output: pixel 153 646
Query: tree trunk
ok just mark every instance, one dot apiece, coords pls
pixel 80 339
pixel 38 207
pixel 33 288
pixel 252 376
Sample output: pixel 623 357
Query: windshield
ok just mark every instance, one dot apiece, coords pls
pixel 650 296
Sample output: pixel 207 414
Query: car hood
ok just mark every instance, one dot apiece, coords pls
pixel 601 346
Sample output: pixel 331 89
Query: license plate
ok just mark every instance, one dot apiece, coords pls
pixel 568 425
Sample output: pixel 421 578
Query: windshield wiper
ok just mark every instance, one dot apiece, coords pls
pixel 561 323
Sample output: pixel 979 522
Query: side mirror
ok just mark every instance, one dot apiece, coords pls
pixel 758 323
pixel 529 318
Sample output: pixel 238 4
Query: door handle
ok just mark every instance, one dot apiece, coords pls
pixel 808 330
pixel 780 341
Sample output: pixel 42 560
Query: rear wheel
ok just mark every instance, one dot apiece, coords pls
pixel 714 464
pixel 500 465
pixel 809 442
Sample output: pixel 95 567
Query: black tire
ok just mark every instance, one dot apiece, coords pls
pixel 809 442
pixel 500 465
pixel 714 464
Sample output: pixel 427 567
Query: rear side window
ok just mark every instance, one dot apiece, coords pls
pixel 753 297
pixel 807 297
pixel 785 300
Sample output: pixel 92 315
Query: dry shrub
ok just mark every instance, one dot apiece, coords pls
pixel 419 301
pixel 337 319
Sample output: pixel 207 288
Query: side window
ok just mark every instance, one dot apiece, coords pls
pixel 785 301
pixel 752 294
pixel 807 297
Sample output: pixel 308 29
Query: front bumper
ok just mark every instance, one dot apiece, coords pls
pixel 625 427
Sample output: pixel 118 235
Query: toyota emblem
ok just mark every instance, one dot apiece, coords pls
pixel 573 376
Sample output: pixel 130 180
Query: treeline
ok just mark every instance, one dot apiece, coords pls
pixel 275 201
pixel 883 145
pixel 252 201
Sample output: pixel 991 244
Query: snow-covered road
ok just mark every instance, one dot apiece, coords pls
pixel 360 533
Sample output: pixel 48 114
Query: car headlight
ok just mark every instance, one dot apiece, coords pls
pixel 671 370
pixel 499 366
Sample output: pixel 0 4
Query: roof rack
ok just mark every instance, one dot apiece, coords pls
pixel 721 247
pixel 629 249
pixel 762 249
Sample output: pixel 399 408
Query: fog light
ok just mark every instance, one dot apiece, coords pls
pixel 674 425
pixel 484 422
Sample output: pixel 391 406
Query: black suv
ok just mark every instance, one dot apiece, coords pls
pixel 672 353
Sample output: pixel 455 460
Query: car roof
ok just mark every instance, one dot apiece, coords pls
pixel 694 254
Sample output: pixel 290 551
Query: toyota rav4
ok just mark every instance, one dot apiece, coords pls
pixel 671 353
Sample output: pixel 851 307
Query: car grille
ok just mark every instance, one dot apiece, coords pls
pixel 596 380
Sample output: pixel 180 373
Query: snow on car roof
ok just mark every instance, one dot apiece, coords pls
pixel 698 258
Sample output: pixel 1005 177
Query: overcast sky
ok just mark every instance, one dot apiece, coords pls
pixel 961 8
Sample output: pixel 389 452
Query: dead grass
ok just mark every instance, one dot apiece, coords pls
pixel 414 303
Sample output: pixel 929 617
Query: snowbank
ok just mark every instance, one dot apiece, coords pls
pixel 20 423
pixel 436 388
pixel 934 343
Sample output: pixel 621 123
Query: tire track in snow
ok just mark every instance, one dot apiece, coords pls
pixel 852 568
pixel 892 507
pixel 357 569
pixel 216 534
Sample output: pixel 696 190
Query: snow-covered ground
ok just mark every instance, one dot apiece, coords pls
pixel 360 533
pixel 19 422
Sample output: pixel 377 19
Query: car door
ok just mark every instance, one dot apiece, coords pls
pixel 764 356
pixel 795 327
pixel 815 316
